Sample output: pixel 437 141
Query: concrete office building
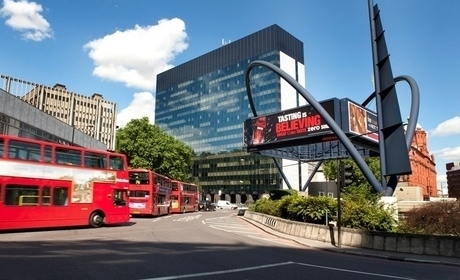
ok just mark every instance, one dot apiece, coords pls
pixel 204 103
pixel 453 179
pixel 81 116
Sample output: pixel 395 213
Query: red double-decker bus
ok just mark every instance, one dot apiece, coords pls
pixel 45 184
pixel 184 197
pixel 149 193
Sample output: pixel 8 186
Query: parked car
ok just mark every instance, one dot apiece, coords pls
pixel 224 204
pixel 206 205
pixel 242 209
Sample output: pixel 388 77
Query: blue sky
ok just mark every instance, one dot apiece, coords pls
pixel 117 47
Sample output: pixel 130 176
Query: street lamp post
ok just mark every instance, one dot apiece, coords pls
pixel 443 184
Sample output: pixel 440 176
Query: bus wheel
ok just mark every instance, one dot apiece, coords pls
pixel 183 211
pixel 96 220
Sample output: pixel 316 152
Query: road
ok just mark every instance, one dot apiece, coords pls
pixel 200 245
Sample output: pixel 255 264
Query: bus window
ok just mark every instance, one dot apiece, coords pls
pixel 46 194
pixel 68 156
pixel 136 193
pixel 95 160
pixel 48 154
pixel 139 178
pixel 116 163
pixel 21 195
pixel 61 196
pixel 2 147
pixel 23 150
pixel 120 197
pixel 161 199
pixel 161 180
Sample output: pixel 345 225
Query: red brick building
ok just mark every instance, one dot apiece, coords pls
pixel 423 165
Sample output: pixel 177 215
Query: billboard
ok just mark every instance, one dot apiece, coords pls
pixel 359 122
pixel 298 126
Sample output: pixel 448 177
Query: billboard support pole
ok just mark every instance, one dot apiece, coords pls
pixel 312 174
pixel 378 100
pixel 280 170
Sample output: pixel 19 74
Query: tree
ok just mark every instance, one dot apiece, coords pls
pixel 330 170
pixel 361 206
pixel 148 146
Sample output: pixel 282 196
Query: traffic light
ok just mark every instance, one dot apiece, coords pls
pixel 346 175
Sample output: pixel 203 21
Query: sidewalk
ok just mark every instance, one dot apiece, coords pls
pixel 359 251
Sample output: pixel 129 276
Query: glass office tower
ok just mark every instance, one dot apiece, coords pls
pixel 204 103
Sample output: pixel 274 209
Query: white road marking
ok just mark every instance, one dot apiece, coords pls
pixel 220 272
pixel 232 226
pixel 225 225
pixel 275 265
pixel 141 219
pixel 355 271
pixel 228 230
pixel 186 219
pixel 278 241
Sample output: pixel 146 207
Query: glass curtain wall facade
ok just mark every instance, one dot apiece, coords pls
pixel 204 103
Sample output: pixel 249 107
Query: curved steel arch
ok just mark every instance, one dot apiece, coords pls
pixel 411 124
pixel 414 109
pixel 312 101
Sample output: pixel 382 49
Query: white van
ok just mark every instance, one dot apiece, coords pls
pixel 224 204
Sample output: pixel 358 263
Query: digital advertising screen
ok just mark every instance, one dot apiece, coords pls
pixel 303 124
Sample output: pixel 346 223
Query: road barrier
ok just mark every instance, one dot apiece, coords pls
pixel 446 246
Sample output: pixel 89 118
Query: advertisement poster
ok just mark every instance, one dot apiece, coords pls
pixel 301 122
pixel 362 122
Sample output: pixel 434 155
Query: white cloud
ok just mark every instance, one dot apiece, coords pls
pixel 25 17
pixel 143 105
pixel 441 179
pixel 448 154
pixel 449 127
pixel 135 56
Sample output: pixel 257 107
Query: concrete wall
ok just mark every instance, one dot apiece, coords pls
pixel 448 246
pixel 406 193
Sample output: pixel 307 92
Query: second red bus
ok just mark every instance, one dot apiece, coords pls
pixel 184 197
pixel 149 193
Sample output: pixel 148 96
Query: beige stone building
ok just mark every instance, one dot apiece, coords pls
pixel 91 115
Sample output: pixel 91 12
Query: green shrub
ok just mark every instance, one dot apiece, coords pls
pixel 278 194
pixel 284 203
pixel 361 209
pixel 265 206
pixel 367 216
pixel 312 209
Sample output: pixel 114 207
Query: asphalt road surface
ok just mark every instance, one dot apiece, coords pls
pixel 200 245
